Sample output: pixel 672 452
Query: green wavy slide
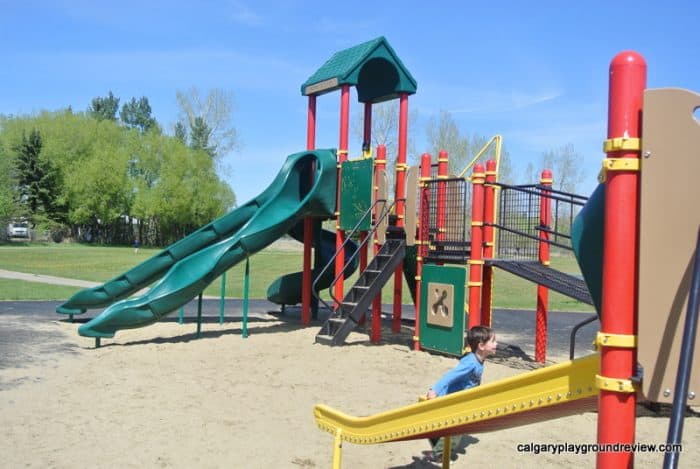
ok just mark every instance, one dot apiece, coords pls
pixel 195 261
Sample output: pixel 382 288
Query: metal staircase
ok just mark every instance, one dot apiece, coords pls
pixel 359 298
pixel 370 282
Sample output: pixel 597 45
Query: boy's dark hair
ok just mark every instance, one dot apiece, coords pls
pixel 478 335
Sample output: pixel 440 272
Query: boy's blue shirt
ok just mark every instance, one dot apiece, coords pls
pixel 465 375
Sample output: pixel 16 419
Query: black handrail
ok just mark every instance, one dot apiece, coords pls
pixel 537 189
pixel 385 212
pixel 534 237
pixel 685 364
pixel 574 331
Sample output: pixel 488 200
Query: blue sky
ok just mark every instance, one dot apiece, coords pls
pixel 534 72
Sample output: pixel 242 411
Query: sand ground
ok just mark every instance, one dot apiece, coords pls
pixel 159 397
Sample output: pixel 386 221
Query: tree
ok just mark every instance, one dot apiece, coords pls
pixel 181 132
pixel 565 163
pixel 385 131
pixel 216 111
pixel 136 114
pixel 443 134
pixel 37 179
pixel 104 108
pixel 200 134
pixel 8 203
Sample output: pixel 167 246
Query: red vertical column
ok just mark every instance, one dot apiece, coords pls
pixel 422 241
pixel 543 253
pixel 476 260
pixel 379 164
pixel 342 157
pixel 400 198
pixel 616 410
pixel 308 221
pixel 489 240
pixel 441 214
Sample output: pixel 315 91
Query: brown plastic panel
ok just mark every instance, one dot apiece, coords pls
pixel 669 221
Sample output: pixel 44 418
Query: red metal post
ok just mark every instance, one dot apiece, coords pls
pixel 379 164
pixel 441 216
pixel 308 222
pixel 489 240
pixel 616 410
pixel 400 198
pixel 542 291
pixel 476 260
pixel 422 241
pixel 342 156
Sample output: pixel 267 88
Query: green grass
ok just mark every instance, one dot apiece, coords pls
pixel 21 290
pixel 100 264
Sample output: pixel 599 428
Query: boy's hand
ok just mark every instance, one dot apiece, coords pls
pixel 431 394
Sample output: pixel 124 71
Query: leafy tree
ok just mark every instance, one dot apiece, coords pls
pixel 181 132
pixel 443 133
pixel 200 134
pixel 565 163
pixel 216 111
pixel 136 114
pixel 108 176
pixel 8 203
pixel 104 108
pixel 37 178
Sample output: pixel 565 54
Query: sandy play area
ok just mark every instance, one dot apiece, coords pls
pixel 158 397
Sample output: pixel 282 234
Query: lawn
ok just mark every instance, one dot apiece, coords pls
pixel 100 264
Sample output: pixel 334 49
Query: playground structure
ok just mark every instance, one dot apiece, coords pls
pixel 447 235
pixel 616 234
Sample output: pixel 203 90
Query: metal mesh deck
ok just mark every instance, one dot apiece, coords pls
pixel 542 275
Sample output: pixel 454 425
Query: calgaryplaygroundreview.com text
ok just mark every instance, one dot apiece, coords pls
pixel 585 448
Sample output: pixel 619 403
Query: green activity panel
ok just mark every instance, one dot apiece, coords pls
pixel 356 193
pixel 442 317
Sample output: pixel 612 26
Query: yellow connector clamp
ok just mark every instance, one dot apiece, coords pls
pixel 615 384
pixel 616 340
pixel 621 144
pixel 621 164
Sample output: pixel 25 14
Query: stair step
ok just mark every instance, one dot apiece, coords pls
pixel 324 339
pixel 357 302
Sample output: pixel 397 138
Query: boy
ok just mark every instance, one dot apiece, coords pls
pixel 467 373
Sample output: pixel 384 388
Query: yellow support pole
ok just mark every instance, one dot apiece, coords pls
pixel 446 452
pixel 337 448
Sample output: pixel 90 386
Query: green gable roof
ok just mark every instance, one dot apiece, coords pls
pixel 372 67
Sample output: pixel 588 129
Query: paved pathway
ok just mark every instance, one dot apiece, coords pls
pixel 9 274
